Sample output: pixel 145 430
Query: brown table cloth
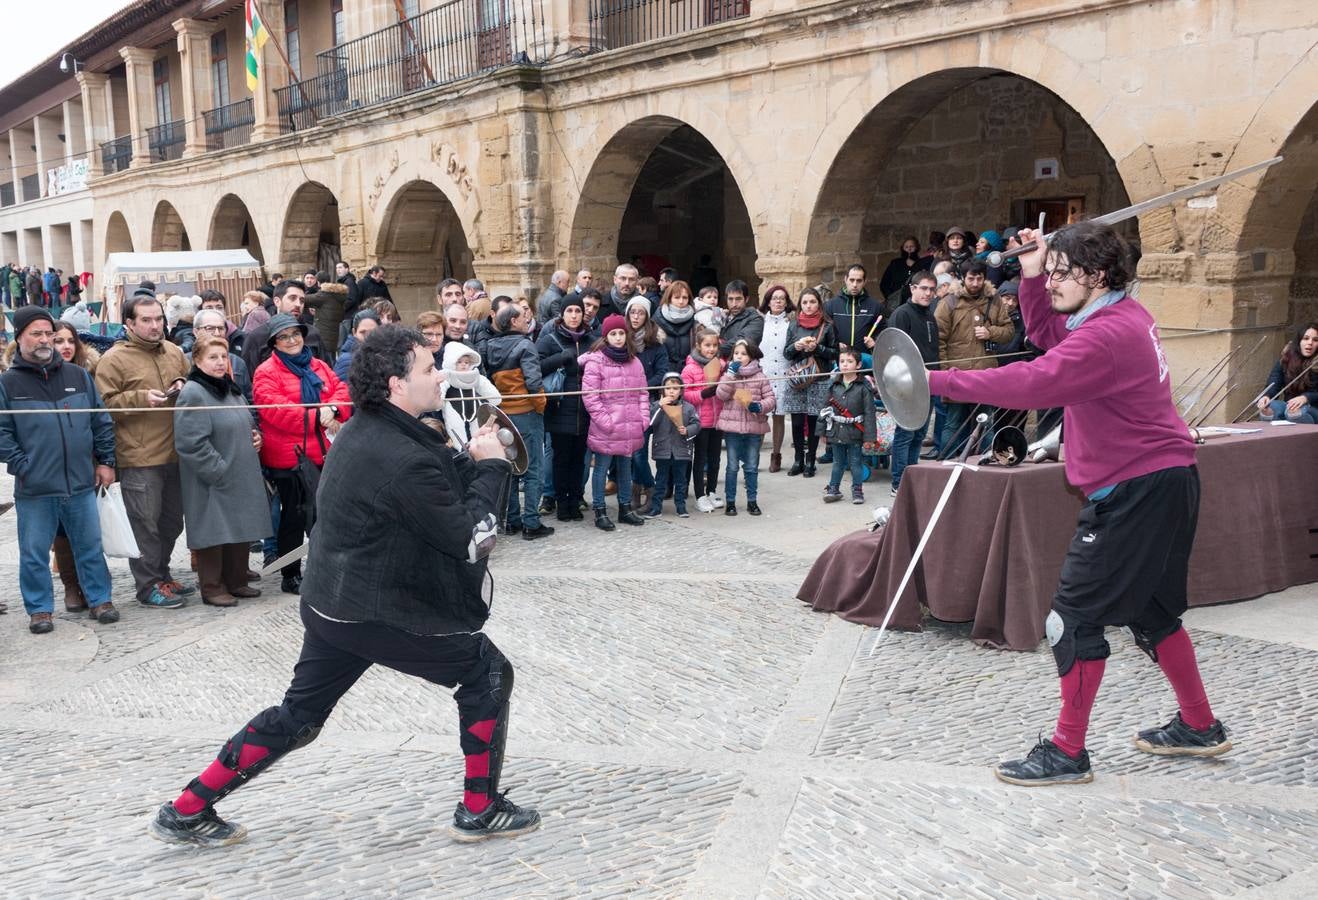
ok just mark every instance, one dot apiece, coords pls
pixel 995 557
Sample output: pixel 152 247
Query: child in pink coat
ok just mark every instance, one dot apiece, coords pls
pixel 709 443
pixel 748 400
pixel 618 417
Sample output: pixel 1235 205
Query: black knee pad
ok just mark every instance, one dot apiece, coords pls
pixel 1071 640
pixel 1148 640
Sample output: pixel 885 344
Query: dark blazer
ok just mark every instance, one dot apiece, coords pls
pixel 397 511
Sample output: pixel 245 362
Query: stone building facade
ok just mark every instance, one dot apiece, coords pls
pixel 783 138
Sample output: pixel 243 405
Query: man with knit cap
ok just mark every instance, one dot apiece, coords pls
pixel 57 462
pixel 142 373
pixel 1132 456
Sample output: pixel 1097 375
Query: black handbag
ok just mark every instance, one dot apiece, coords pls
pixel 308 473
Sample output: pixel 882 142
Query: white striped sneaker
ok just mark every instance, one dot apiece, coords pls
pixel 205 828
pixel 502 818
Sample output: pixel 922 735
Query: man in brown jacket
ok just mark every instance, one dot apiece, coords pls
pixel 968 318
pixel 138 373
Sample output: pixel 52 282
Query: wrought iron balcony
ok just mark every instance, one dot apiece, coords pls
pixel 116 154
pixel 621 23
pixel 166 141
pixel 229 126
pixel 457 40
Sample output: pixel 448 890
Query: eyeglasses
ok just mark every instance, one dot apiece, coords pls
pixel 433 336
pixel 1060 275
pixel 210 328
pixel 288 337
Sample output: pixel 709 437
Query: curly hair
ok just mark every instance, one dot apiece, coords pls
pixel 388 351
pixel 1094 249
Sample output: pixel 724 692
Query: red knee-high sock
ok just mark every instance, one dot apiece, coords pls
pixel 1079 688
pixel 1176 659
pixel 478 766
pixel 216 776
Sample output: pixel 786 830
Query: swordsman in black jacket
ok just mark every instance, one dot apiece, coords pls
pixel 396 576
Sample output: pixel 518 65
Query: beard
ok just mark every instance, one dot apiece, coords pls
pixel 41 355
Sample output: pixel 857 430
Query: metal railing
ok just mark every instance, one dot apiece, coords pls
pixel 454 41
pixel 31 187
pixel 621 23
pixel 7 194
pixel 116 154
pixel 166 141
pixel 229 126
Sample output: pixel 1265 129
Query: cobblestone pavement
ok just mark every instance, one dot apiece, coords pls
pixel 686 727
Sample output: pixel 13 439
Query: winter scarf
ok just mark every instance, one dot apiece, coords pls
pixel 617 354
pixel 300 365
pixel 219 388
pixel 677 315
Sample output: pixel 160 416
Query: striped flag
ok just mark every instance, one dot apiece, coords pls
pixel 256 38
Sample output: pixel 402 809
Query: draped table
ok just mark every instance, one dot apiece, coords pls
pixel 995 557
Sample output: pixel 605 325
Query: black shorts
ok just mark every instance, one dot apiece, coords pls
pixel 1129 560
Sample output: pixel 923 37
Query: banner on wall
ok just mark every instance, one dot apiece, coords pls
pixel 66 179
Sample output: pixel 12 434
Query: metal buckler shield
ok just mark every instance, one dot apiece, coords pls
pixel 514 447
pixel 901 378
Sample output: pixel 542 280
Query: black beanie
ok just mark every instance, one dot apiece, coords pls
pixel 26 315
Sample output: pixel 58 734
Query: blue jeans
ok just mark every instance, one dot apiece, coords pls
pixel 1307 415
pixel 600 474
pixel 641 473
pixel 905 451
pixel 38 520
pixel 848 456
pixel 547 482
pixel 940 422
pixel 270 545
pixel 531 425
pixel 676 472
pixel 743 450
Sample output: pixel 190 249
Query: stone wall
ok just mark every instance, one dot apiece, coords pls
pixel 1304 284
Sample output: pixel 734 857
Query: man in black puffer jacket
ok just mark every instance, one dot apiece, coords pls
pixel 915 317
pixel 395 576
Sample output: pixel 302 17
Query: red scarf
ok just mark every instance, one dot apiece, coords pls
pixel 811 322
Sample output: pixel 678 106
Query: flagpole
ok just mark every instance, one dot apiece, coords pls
pixel 270 36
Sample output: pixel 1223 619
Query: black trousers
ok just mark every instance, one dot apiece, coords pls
pixel 805 437
pixel 569 467
pixel 335 654
pixel 1128 565
pixel 705 473
pixel 292 521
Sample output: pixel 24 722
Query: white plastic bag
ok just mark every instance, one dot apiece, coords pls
pixel 116 531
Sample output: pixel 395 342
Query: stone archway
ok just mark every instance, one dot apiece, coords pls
pixel 421 242
pixel 118 239
pixel 232 228
pixel 167 231
pixel 310 236
pixel 958 147
pixel 659 193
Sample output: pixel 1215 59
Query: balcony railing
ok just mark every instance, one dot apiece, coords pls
pixel 620 23
pixel 31 187
pixel 117 154
pixel 7 194
pixel 166 141
pixel 229 126
pixel 454 41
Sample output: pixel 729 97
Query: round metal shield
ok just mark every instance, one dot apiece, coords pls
pixel 516 452
pixel 901 378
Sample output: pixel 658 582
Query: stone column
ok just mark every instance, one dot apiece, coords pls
pixel 273 75
pixel 137 61
pixel 97 127
pixel 194 63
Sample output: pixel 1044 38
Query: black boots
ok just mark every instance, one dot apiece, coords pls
pixel 602 520
pixel 627 517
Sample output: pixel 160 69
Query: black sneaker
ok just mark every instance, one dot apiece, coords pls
pixel 206 828
pixel 512 528
pixel 291 584
pixel 1046 764
pixel 1178 739
pixel 539 531
pixel 502 818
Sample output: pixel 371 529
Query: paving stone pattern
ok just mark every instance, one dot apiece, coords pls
pixel 686 727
